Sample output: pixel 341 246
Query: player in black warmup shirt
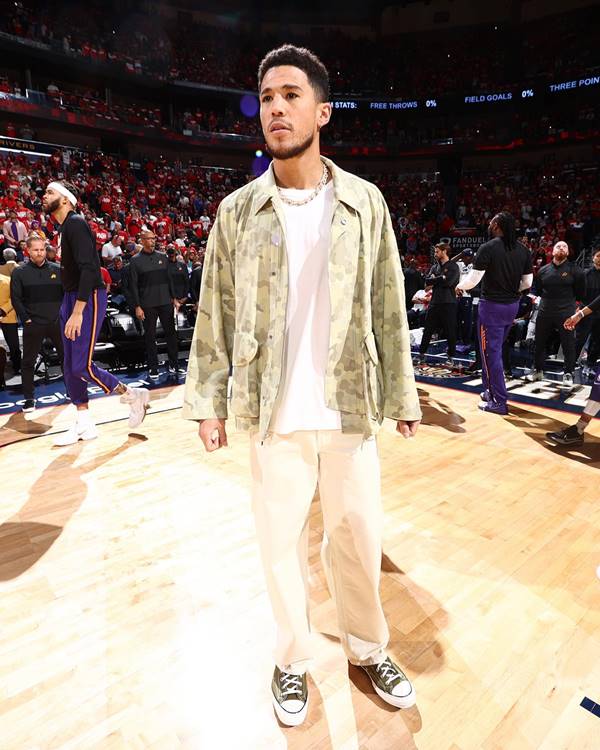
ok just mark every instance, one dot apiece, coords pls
pixel 503 265
pixel 81 316
pixel 559 284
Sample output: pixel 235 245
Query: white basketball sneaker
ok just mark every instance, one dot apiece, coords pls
pixel 78 431
pixel 138 399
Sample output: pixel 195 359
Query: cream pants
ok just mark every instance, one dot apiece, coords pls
pixel 286 470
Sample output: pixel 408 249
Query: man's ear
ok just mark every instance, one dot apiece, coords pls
pixel 324 114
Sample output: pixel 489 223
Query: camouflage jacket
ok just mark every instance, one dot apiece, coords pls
pixel 242 312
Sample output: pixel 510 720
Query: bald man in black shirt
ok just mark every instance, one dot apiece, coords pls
pixel 559 284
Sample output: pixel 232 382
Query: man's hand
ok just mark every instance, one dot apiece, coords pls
pixel 73 326
pixel 571 322
pixel 139 313
pixel 213 435
pixel 408 429
pixel 459 292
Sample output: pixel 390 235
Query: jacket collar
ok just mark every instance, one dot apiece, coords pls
pixel 343 187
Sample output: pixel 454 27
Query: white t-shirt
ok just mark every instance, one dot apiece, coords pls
pixel 109 251
pixel 301 403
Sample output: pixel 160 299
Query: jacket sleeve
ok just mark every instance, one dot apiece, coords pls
pixel 186 278
pixel 390 327
pixel 580 284
pixel 451 276
pixel 132 284
pixel 171 281
pixel 446 278
pixel 16 295
pixel 205 395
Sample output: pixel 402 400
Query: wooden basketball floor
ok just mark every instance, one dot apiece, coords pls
pixel 134 614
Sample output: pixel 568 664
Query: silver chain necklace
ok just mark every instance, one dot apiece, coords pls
pixel 320 185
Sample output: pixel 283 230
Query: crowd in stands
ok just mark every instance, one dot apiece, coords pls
pixel 467 59
pixel 177 203
pixel 171 198
pixel 179 200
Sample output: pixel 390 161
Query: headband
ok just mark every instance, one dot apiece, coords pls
pixel 60 188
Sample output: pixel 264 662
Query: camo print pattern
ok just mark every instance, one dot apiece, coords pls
pixel 242 312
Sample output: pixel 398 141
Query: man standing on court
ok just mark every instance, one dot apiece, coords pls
pixel 36 292
pixel 441 313
pixel 151 288
pixel 573 435
pixel 559 284
pixel 302 296
pixel 81 316
pixel 503 265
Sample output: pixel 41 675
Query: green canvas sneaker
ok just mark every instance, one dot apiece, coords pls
pixel 391 684
pixel 290 697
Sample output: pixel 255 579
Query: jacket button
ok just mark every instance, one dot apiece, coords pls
pixel 344 222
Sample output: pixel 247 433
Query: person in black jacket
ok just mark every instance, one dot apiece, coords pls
pixel 180 280
pixel 441 313
pixel 413 281
pixel 573 435
pixel 559 284
pixel 196 282
pixel 590 326
pixel 82 314
pixel 36 293
pixel 154 298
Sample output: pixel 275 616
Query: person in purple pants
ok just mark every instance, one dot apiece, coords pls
pixel 503 265
pixel 81 316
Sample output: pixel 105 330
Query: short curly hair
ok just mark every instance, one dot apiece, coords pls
pixel 299 57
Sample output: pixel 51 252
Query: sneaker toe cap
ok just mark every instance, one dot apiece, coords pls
pixel 402 689
pixel 292 705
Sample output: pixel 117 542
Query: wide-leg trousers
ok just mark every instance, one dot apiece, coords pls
pixel 286 470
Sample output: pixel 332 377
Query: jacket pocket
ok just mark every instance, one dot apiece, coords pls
pixel 245 390
pixel 371 377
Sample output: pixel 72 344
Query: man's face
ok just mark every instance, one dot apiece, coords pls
pixel 596 261
pixel 116 241
pixel 51 200
pixel 37 252
pixel 560 252
pixel 290 114
pixel 148 242
pixel 12 215
pixel 440 255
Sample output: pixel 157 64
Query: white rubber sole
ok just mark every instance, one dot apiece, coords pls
pixel 61 440
pixel 290 720
pixel 397 701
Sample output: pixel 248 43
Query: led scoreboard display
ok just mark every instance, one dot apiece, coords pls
pixel 452 102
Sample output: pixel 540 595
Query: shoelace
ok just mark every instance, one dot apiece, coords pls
pixel 387 670
pixel 291 684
